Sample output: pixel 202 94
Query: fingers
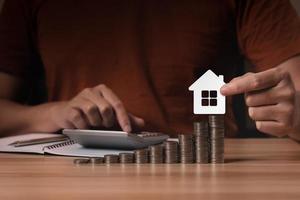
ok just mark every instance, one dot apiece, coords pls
pixel 272 128
pixel 77 119
pixel 91 112
pixel 99 106
pixel 275 120
pixel 104 109
pixel 136 122
pixel 263 113
pixel 269 96
pixel 118 107
pixel 253 82
pixel 94 109
pixel 261 98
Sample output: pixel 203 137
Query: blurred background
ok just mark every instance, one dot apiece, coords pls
pixel 240 112
pixel 296 4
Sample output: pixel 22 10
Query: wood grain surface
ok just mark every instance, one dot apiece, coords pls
pixel 254 169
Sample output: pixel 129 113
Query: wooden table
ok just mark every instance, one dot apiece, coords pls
pixel 254 169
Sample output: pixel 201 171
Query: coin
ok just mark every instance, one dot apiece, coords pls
pixel 156 154
pixel 201 128
pixel 141 156
pixel 186 146
pixel 81 161
pixel 171 152
pixel 217 135
pixel 126 157
pixel 205 145
pixel 98 160
pixel 216 121
pixel 202 147
pixel 111 158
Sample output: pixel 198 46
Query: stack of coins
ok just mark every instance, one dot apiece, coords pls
pixel 141 156
pixel 156 154
pixel 79 161
pixel 171 152
pixel 217 134
pixel 126 157
pixel 186 145
pixel 98 160
pixel 202 148
pixel 110 158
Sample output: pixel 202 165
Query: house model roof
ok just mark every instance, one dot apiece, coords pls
pixel 209 77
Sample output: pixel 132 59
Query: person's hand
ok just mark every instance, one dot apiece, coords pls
pixel 94 107
pixel 271 100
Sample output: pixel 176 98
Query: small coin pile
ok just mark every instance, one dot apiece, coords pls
pixel 98 160
pixel 111 158
pixel 156 154
pixel 206 145
pixel 79 161
pixel 171 152
pixel 217 134
pixel 141 156
pixel 126 158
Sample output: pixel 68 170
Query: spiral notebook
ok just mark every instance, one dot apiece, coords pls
pixel 65 148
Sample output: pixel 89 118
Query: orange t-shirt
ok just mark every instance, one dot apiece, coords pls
pixel 147 51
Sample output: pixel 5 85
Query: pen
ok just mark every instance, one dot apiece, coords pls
pixel 22 143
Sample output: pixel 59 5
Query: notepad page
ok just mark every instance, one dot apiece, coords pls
pixel 38 148
pixel 75 149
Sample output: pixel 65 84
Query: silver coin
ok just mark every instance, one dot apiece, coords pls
pixel 186 148
pixel 126 157
pixel 156 154
pixel 201 128
pixel 81 161
pixel 98 160
pixel 202 147
pixel 171 152
pixel 217 135
pixel 111 158
pixel 216 121
pixel 141 156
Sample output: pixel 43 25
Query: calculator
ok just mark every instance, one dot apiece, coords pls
pixel 105 139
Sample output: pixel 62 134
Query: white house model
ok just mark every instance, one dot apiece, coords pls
pixel 207 96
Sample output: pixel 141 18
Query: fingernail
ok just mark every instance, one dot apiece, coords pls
pixel 250 110
pixel 258 125
pixel 127 128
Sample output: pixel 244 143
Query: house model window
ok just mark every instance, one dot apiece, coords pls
pixel 209 98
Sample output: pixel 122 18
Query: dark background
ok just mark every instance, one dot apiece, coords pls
pixel 296 4
pixel 246 126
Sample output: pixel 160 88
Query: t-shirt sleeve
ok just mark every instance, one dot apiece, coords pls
pixel 268 31
pixel 15 38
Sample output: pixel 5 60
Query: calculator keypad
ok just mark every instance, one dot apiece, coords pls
pixel 145 134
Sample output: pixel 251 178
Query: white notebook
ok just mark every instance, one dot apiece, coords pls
pixel 66 148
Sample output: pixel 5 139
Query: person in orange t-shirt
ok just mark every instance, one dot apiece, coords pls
pixel 128 64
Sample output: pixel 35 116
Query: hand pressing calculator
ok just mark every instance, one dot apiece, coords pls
pixel 114 139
